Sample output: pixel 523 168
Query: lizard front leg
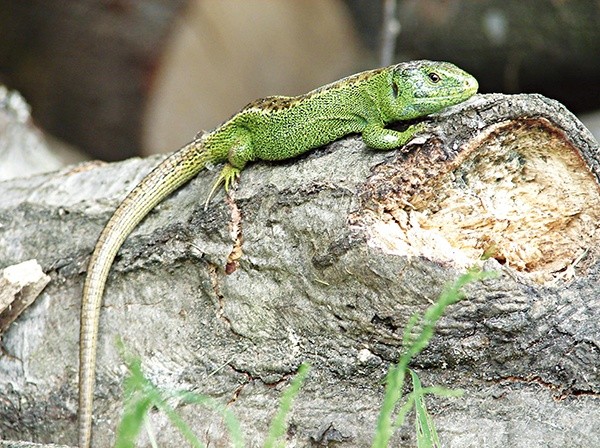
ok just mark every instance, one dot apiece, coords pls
pixel 377 137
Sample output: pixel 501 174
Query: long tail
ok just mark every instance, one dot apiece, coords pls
pixel 167 177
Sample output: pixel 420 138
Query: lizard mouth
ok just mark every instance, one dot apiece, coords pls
pixel 470 88
pixel 464 95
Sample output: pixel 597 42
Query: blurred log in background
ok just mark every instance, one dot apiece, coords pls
pixel 121 77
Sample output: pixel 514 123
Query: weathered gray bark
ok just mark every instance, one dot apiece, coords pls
pixel 336 251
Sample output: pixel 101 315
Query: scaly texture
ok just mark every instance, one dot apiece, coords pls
pixel 272 128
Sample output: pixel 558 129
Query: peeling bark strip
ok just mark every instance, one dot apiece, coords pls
pixel 519 191
pixel 340 247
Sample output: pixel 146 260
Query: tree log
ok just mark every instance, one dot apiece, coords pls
pixel 323 259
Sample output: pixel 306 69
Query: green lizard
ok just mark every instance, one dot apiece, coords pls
pixel 273 128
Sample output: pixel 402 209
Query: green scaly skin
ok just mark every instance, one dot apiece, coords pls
pixel 273 128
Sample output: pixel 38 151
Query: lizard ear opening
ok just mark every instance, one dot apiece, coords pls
pixel 395 89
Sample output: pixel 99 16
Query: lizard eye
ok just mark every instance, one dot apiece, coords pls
pixel 434 77
pixel 395 89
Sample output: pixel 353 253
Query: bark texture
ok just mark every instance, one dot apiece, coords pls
pixel 323 259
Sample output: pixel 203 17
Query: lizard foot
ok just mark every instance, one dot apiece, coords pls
pixel 228 176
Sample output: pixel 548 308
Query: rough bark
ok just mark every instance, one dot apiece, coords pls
pixel 323 259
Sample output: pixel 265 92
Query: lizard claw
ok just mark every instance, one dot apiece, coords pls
pixel 227 177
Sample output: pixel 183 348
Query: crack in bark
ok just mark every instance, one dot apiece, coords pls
pixel 213 273
pixel 564 392
pixel 235 227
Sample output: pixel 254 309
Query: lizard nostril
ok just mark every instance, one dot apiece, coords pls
pixel 471 83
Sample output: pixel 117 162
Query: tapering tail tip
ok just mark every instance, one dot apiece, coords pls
pixel 167 177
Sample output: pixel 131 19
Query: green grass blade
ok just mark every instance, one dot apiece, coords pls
pixel 403 411
pixel 141 396
pixel 137 403
pixel 278 426
pixel 132 422
pixel 396 375
pixel 443 391
pixel 231 422
pixel 408 337
pixel 393 393
pixel 179 423
pixel 426 434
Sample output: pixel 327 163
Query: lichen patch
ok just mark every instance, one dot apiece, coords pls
pixel 520 193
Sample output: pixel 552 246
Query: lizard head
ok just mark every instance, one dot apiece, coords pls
pixel 424 87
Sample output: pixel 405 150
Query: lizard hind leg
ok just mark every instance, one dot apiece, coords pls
pixel 227 177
